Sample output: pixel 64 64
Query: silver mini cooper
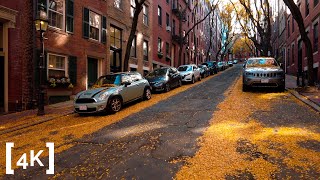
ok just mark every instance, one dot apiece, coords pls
pixel 110 92
pixel 263 72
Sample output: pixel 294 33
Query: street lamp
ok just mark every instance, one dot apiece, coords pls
pixel 41 24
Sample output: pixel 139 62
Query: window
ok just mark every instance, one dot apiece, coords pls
pixel 56 66
pixel 315 2
pixel 145 14
pixel 173 27
pixel 117 3
pixel 167 19
pixel 133 51
pixel 133 7
pixel 56 13
pixel 145 50
pixel 95 23
pixel 167 1
pixel 315 36
pixel 288 58
pixel 307 7
pixel 115 37
pixel 159 16
pixel 167 49
pixel 159 44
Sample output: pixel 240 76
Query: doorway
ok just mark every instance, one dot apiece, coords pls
pixel 92 71
pixel 115 60
pixel 1 84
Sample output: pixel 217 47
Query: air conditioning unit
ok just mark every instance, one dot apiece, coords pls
pixel 168 28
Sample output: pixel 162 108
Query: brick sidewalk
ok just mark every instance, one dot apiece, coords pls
pixel 312 94
pixel 18 120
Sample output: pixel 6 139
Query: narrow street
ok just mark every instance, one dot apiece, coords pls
pixel 254 135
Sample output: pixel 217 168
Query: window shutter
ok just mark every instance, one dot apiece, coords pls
pixel 104 30
pixel 69 16
pixel 72 69
pixel 85 23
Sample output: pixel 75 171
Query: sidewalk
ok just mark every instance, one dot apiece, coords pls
pixel 15 121
pixel 311 94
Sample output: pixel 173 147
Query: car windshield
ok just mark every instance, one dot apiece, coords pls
pixel 108 81
pixel 185 68
pixel 158 72
pixel 263 62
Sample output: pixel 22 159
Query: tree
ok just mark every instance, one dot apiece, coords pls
pixel 296 14
pixel 242 46
pixel 138 8
pixel 256 16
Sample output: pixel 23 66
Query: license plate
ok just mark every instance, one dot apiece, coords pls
pixel 83 108
pixel 264 80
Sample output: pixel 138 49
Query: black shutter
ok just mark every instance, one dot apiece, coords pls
pixel 72 69
pixel 69 16
pixel 104 30
pixel 85 27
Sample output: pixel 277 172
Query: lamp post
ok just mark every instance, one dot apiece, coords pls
pixel 41 24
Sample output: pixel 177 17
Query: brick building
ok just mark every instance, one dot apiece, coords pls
pixel 310 10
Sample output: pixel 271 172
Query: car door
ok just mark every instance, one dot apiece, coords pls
pixel 138 81
pixel 196 72
pixel 172 79
pixel 127 91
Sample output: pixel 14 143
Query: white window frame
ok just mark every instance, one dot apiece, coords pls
pixel 66 74
pixel 63 15
pixel 100 24
pixel 145 14
pixel 115 4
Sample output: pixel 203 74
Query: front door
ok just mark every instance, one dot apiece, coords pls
pixel 115 60
pixel 92 71
pixel 1 84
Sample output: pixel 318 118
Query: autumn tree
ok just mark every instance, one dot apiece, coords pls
pixel 138 8
pixel 296 14
pixel 254 18
pixel 243 45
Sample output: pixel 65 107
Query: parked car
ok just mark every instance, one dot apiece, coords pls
pixel 110 92
pixel 204 71
pixel 263 72
pixel 230 63
pixel 220 66
pixel 212 65
pixel 164 79
pixel 189 73
pixel 235 61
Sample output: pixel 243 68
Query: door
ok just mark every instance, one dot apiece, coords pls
pixel 92 71
pixel 1 83
pixel 115 60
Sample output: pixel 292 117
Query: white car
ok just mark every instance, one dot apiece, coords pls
pixel 189 73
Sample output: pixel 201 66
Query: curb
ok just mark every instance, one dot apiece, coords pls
pixel 16 128
pixel 304 100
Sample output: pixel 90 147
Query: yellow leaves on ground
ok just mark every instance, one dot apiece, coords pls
pixel 236 144
pixel 65 130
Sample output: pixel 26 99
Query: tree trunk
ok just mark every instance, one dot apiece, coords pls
pixel 296 14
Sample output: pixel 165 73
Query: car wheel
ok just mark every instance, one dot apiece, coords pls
pixel 115 104
pixel 193 80
pixel 179 83
pixel 147 94
pixel 245 88
pixel 167 87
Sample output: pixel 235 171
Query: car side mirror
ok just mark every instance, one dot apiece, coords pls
pixel 126 83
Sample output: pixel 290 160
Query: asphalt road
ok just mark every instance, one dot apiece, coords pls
pixel 151 144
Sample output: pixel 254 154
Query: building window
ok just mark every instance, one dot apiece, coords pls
pixel 159 44
pixel 117 3
pixel 133 7
pixel 167 20
pixel 95 23
pixel 315 36
pixel 133 51
pixel 57 66
pixel 315 2
pixel 288 58
pixel 167 49
pixel 145 14
pixel 145 50
pixel 307 7
pixel 56 14
pixel 173 27
pixel 167 1
pixel 115 37
pixel 159 16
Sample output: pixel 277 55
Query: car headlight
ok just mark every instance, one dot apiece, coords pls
pixel 104 96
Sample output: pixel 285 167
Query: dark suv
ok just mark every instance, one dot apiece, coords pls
pixel 212 65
